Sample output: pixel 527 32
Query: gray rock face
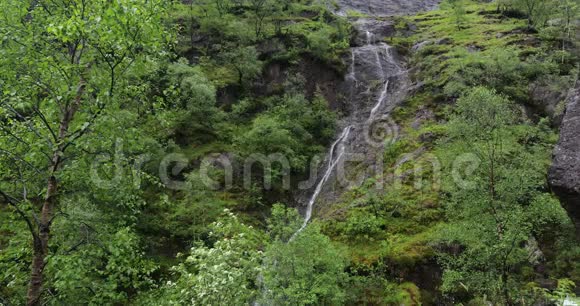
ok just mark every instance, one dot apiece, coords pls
pixel 371 31
pixel 546 99
pixel 377 81
pixel 386 7
pixel 564 174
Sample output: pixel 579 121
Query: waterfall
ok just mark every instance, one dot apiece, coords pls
pixel 352 71
pixel 332 162
pixel 382 98
pixel 389 57
pixel 371 62
pixel 378 61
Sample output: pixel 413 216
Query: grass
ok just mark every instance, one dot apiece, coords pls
pixel 412 217
pixel 447 47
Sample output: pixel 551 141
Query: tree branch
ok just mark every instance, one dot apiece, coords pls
pixel 74 136
pixel 12 202
pixel 43 119
pixel 17 158
pixel 30 127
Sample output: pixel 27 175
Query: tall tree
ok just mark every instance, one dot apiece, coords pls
pixel 457 7
pixel 304 269
pixel 244 61
pixel 259 11
pixel 494 218
pixel 224 274
pixel 62 62
pixel 569 12
pixel 535 10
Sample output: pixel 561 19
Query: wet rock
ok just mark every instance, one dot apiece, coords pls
pixel 386 7
pixel 564 176
pixel 473 48
pixel 376 82
pixel 428 137
pixel 421 45
pixel 373 63
pixel 228 96
pixel 270 47
pixel 444 41
pixel 317 77
pixel 424 114
pixel 370 31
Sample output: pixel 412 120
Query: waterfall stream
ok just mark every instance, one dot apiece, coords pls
pixel 333 160
pixel 372 63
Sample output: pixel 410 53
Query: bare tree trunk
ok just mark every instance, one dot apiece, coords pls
pixel 505 289
pixel 40 247
pixel 40 243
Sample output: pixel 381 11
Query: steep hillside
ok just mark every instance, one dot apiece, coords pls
pixel 289 152
pixel 407 229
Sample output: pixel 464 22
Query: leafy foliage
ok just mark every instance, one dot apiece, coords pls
pixel 94 95
pixel 494 218
pixel 222 274
pixel 305 270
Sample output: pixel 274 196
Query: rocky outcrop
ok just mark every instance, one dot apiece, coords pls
pixel 371 31
pixel 386 7
pixel 564 174
pixel 546 99
pixel 377 81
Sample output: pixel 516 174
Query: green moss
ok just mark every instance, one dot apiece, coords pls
pixel 449 49
pixel 411 294
pixel 355 14
pixel 410 216
pixel 410 250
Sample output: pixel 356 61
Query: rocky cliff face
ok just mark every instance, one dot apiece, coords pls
pixel 386 7
pixel 564 174
pixel 377 81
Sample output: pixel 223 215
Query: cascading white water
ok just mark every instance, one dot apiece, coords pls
pixel 389 57
pixel 376 64
pixel 352 74
pixel 332 162
pixel 378 61
pixel 382 98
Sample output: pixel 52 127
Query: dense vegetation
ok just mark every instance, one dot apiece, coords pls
pixel 121 122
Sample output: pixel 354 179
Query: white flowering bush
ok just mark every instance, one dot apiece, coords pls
pixel 224 274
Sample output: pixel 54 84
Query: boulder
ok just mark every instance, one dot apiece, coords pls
pixel 564 176
pixel 546 99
